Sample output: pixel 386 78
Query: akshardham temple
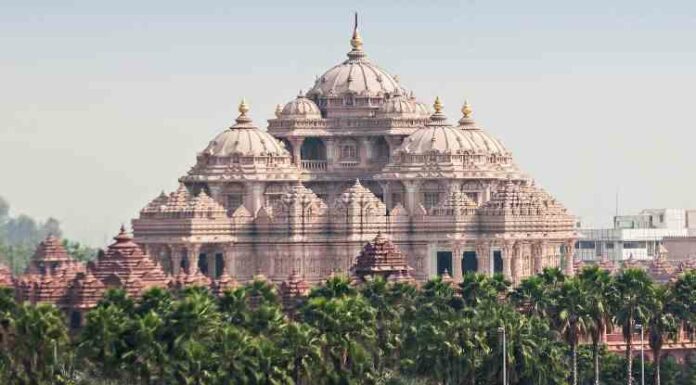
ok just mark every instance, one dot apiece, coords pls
pixel 355 156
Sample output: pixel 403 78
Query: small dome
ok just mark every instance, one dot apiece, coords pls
pixel 245 139
pixel 440 137
pixel 300 108
pixel 398 106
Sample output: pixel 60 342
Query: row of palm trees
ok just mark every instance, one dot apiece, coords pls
pixel 340 334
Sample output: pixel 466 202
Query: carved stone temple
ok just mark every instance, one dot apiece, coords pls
pixel 355 156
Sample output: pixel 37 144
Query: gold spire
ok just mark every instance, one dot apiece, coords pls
pixel 243 107
pixel 466 109
pixel 243 121
pixel 437 105
pixel 356 40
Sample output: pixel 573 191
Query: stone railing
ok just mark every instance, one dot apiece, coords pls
pixel 314 165
pixel 349 163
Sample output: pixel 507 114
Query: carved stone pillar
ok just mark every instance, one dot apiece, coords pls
pixel 483 256
pixel 516 263
pixel 537 256
pixel 457 262
pixel 569 268
pixel 296 150
pixel 230 260
pixel 193 251
pixel 393 142
pixel 411 189
pixel 175 259
pixel 363 150
pixel 507 259
pixel 330 144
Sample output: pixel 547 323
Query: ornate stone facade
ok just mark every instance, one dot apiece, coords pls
pixel 355 156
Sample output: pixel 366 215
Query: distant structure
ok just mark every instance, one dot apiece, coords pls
pixel 636 237
pixel 355 156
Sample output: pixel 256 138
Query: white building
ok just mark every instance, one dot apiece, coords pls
pixel 635 236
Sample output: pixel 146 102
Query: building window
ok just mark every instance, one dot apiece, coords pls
pixel 609 245
pixel 349 152
pixel 586 245
pixel 431 199
pixel 634 245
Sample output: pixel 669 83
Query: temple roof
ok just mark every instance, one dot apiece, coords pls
pixel 439 137
pixel 299 108
pixel 181 202
pixel 245 139
pixel 126 266
pixel 356 75
pixel 381 257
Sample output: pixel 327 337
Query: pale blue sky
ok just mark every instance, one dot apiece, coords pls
pixel 104 104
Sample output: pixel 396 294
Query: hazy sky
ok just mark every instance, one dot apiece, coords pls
pixel 105 104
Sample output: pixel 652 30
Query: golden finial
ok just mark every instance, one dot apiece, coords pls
pixel 356 40
pixel 243 107
pixel 466 109
pixel 437 105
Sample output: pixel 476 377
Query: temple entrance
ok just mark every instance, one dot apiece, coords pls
pixel 219 264
pixel 497 261
pixel 203 263
pixel 75 320
pixel 444 262
pixel 469 262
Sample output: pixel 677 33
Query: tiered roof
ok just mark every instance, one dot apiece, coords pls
pixel 126 266
pixel 181 204
pixel 381 257
pixel 48 273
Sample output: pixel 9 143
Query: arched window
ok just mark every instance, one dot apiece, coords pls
pixel 348 150
pixel 381 150
pixel 431 194
pixel 313 149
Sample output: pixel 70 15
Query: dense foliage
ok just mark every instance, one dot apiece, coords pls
pixel 376 333
pixel 20 234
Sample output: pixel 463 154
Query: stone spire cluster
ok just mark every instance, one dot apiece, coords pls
pixel 381 257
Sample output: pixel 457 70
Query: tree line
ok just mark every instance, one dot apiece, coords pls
pixel 19 236
pixel 375 333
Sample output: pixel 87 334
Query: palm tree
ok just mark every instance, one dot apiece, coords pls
pixel 303 345
pixel 634 290
pixel 572 317
pixel 40 340
pixel 531 297
pixel 683 305
pixel 662 325
pixel 598 286
pixel 101 340
pixel 478 288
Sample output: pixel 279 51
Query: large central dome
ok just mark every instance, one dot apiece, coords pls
pixel 356 75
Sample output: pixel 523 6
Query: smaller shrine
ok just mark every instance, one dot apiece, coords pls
pixel 381 257
pixel 292 291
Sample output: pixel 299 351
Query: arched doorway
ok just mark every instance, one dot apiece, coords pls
pixel 497 261
pixel 444 262
pixel 469 262
pixel 219 264
pixel 313 149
